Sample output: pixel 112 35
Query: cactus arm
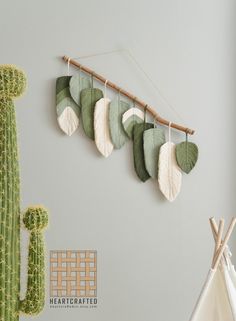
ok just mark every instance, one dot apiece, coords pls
pixel 35 219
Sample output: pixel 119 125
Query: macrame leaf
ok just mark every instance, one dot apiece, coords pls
pixel 153 139
pixel 67 110
pixel 169 173
pixel 88 99
pixel 138 152
pixel 101 127
pixel 130 118
pixel 68 121
pixel 118 135
pixel 78 83
pixel 186 156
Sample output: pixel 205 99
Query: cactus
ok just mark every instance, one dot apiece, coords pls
pixel 12 84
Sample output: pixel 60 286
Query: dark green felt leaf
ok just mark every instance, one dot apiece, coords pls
pixel 88 99
pixel 62 82
pixel 138 151
pixel 118 134
pixel 186 156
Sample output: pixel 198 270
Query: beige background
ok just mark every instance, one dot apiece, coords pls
pixel 152 255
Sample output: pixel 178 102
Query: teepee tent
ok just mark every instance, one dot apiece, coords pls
pixel 217 300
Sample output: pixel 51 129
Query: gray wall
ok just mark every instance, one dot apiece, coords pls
pixel 153 255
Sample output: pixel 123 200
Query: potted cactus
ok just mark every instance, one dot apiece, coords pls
pixel 12 85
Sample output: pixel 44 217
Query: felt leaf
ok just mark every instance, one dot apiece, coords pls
pixel 130 118
pixel 68 121
pixel 64 101
pixel 138 152
pixel 62 82
pixel 88 99
pixel 67 102
pixel 186 156
pixel 118 135
pixel 153 139
pixel 169 173
pixel 101 127
pixel 78 83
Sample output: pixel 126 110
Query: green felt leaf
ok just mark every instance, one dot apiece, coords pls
pixel 63 97
pixel 118 134
pixel 130 118
pixel 138 151
pixel 78 83
pixel 88 99
pixel 186 156
pixel 153 139
pixel 62 82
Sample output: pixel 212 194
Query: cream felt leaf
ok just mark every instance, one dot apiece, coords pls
pixel 186 156
pixel 153 139
pixel 169 173
pixel 88 99
pixel 118 135
pixel 130 118
pixel 138 152
pixel 101 127
pixel 78 83
pixel 68 121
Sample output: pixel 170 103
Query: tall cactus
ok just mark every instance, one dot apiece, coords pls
pixel 12 84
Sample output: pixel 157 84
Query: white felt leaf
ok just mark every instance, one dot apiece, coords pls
pixel 101 127
pixel 169 173
pixel 131 117
pixel 68 121
pixel 153 139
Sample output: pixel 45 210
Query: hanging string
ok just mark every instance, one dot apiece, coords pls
pixel 145 114
pixel 169 131
pixel 154 122
pixel 105 89
pixel 68 67
pixel 157 89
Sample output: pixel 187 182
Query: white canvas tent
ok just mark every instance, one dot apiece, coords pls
pixel 217 300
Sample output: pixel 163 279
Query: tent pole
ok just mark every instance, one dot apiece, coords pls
pixel 218 238
pixel 224 243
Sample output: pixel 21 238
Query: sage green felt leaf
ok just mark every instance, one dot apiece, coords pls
pixel 153 139
pixel 67 110
pixel 88 99
pixel 186 156
pixel 130 118
pixel 116 111
pixel 138 152
pixel 78 83
pixel 67 102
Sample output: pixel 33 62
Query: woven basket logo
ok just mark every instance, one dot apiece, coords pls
pixel 73 273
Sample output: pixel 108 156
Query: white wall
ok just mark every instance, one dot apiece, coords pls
pixel 153 256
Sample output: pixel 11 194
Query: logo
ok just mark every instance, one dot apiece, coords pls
pixel 73 278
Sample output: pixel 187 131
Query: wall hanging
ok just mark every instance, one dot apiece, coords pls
pixel 217 300
pixel 112 123
pixel 12 84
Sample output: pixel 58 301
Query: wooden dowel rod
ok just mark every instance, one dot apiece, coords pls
pixel 224 243
pixel 128 95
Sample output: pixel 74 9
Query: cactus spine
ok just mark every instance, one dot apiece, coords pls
pixel 12 84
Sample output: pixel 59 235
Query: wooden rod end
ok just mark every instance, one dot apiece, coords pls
pixel 65 58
